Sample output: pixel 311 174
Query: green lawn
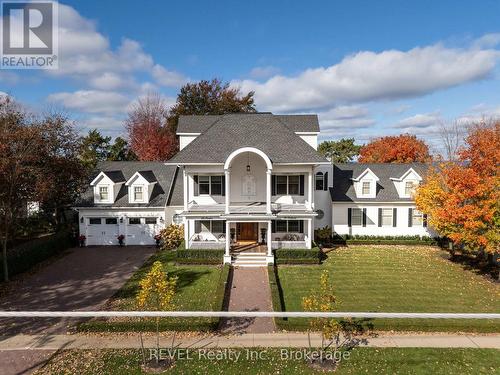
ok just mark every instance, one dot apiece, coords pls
pixel 401 361
pixel 199 288
pixel 395 279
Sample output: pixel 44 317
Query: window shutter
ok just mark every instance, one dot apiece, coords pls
pixel 394 217
pixel 301 187
pixel 410 217
pixel 273 226
pixel 424 220
pixel 197 226
pixel 349 218
pixel 379 217
pixel 224 186
pixel 364 217
pixel 325 181
pixel 273 185
pixel 224 227
pixel 196 187
pixel 301 226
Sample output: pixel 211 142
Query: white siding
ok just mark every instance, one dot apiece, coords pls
pixel 322 199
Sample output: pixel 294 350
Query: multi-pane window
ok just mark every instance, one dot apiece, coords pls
pixel 319 181
pixel 288 185
pixel 138 193
pixel 134 220
pixel 387 216
pixel 288 226
pixel 365 188
pixel 95 220
pixel 356 216
pixel 150 220
pixel 210 226
pixel 210 185
pixel 409 187
pixel 111 220
pixel 417 217
pixel 103 193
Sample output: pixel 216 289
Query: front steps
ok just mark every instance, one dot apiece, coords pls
pixel 249 260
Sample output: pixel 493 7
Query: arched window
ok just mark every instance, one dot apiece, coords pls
pixel 320 182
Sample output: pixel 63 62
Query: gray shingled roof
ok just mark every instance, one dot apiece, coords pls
pixel 265 132
pixel 342 189
pixel 148 175
pixel 163 174
pixel 115 176
pixel 200 123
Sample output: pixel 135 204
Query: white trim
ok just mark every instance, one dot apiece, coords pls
pixel 307 133
pixel 188 133
pixel 254 150
pixel 406 174
pixel 94 181
pixel 363 173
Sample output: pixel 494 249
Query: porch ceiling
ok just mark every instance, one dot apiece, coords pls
pixel 249 209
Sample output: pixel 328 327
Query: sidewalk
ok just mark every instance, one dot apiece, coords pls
pixel 247 340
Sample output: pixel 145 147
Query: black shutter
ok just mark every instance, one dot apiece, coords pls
pixel 224 227
pixel 379 217
pixel 273 226
pixel 325 181
pixel 394 217
pixel 364 217
pixel 301 187
pixel 349 218
pixel 301 226
pixel 424 221
pixel 223 185
pixel 410 217
pixel 196 187
pixel 273 185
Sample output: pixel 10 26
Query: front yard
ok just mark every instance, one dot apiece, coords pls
pixel 412 361
pixel 395 279
pixel 199 288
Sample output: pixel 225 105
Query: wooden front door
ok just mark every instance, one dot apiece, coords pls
pixel 247 232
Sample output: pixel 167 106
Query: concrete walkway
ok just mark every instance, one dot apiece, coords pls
pixel 246 340
pixel 250 291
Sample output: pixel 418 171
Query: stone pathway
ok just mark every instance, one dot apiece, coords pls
pixel 250 291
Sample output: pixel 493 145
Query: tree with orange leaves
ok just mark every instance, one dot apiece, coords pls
pixel 462 199
pixel 404 148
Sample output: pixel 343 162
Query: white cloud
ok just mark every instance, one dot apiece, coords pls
pixel 368 76
pixel 168 78
pixel 262 72
pixel 421 120
pixel 92 101
pixel 487 41
pixel 110 81
pixel 340 121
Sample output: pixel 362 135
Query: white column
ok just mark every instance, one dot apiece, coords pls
pixel 268 191
pixel 269 257
pixel 309 234
pixel 227 254
pixel 310 189
pixel 186 233
pixel 227 175
pixel 186 190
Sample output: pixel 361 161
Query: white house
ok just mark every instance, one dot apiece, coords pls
pixel 248 183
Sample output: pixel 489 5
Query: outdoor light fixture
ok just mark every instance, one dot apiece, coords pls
pixel 248 162
pixel 121 220
pixel 81 220
pixel 161 220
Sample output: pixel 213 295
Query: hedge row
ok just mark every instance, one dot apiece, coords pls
pixel 199 256
pixel 23 257
pixel 297 256
pixel 393 238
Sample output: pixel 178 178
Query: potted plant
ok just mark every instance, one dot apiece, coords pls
pixel 157 238
pixel 120 238
pixel 81 240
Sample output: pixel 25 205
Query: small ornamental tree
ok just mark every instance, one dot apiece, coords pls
pixel 156 293
pixel 404 148
pixel 334 334
pixel 172 236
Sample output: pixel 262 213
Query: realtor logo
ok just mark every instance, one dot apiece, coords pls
pixel 29 35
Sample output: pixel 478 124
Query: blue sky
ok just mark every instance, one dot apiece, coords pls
pixel 367 68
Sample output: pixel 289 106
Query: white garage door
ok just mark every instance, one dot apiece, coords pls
pixel 141 230
pixel 102 231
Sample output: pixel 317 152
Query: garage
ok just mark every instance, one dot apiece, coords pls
pixel 102 231
pixel 141 230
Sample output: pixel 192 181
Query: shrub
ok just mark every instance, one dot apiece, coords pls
pixel 323 235
pixel 199 256
pixel 172 236
pixel 298 256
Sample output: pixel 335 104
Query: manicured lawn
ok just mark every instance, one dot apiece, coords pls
pixel 395 279
pixel 362 361
pixel 198 288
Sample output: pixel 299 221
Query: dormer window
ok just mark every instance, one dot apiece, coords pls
pixel 409 188
pixel 138 193
pixel 365 188
pixel 103 193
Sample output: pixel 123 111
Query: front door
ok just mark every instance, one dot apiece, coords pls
pixel 247 232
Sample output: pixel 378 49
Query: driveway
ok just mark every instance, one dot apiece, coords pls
pixel 83 279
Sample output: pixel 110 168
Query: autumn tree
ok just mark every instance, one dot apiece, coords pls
pixel 210 98
pixel 342 151
pixel 151 138
pixel 462 198
pixel 404 148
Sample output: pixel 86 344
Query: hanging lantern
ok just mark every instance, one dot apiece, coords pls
pixel 248 162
